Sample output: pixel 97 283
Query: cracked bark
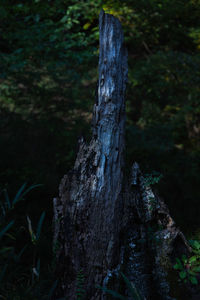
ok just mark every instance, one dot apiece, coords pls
pixel 101 218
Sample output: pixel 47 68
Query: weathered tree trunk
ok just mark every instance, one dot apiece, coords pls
pixel 103 222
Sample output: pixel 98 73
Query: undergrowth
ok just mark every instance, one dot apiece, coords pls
pixel 23 274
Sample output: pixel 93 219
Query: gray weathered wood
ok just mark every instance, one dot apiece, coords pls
pixel 90 201
pixel 101 218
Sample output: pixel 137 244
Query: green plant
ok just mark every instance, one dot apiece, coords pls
pixel 152 178
pixel 80 291
pixel 35 240
pixel 131 289
pixel 189 267
pixel 23 273
pixel 35 237
pixel 7 204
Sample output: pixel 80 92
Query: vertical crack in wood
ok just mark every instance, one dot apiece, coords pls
pixel 92 201
pixel 108 127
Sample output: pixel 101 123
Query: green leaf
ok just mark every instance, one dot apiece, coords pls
pixel 193 280
pixel 192 259
pixel 3 231
pixel 196 269
pixel 191 272
pixel 21 193
pixel 39 227
pixel 195 244
pixel 18 195
pixel 32 234
pixel 7 199
pixel 20 253
pixel 184 258
pixel 179 263
pixel 52 290
pixel 176 266
pixel 182 274
pixel 112 293
pixel 131 287
pixel 31 188
pixel 86 26
pixel 197 252
pixel 6 249
pixel 11 236
pixel 64 19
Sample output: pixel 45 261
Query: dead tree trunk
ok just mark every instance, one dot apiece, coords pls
pixel 102 219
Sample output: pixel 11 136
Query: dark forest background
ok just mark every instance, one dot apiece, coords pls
pixel 48 77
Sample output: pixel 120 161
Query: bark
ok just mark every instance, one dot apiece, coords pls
pixel 104 222
pixel 90 199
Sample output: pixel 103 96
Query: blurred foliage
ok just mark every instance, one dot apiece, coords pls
pixel 48 74
pixel 44 78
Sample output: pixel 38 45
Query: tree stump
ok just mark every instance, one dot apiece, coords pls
pixel 102 220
